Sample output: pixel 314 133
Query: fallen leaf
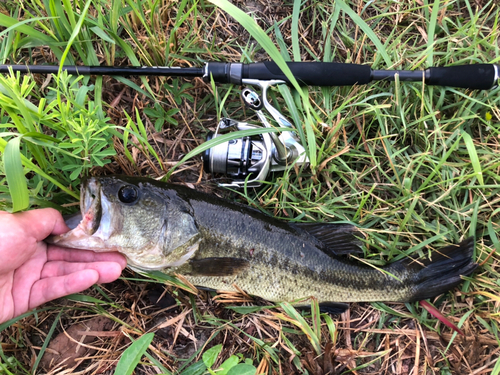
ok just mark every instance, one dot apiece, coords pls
pixel 64 351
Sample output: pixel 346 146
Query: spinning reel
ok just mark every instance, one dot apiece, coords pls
pixel 249 160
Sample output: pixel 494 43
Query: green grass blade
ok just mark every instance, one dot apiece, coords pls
pixel 133 354
pixel 474 159
pixel 492 232
pixel 260 36
pixel 16 26
pixel 496 369
pixel 134 86
pixel 366 29
pixel 8 323
pixel 431 30
pixel 294 113
pixel 102 34
pixel 281 43
pixel 74 34
pixel 26 162
pixel 69 11
pixel 332 329
pixel 179 21
pixel 296 319
pixel 316 317
pixel 311 138
pixel 15 175
pixel 295 30
pixel 46 342
pixel 8 22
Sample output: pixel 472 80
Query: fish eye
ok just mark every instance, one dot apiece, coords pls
pixel 128 194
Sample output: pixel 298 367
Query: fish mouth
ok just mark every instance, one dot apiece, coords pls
pixel 90 206
pixel 95 225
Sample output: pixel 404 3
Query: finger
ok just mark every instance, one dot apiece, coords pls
pixel 25 275
pixel 108 271
pixel 40 223
pixel 55 253
pixel 48 289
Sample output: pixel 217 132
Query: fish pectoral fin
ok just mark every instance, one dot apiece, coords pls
pixel 328 307
pixel 339 239
pixel 218 266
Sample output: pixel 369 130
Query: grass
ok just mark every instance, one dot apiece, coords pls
pixel 416 167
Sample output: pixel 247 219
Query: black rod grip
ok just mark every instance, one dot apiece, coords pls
pixel 311 73
pixel 475 77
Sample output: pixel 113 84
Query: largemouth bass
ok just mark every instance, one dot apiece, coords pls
pixel 216 244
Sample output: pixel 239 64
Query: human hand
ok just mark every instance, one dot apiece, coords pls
pixel 32 272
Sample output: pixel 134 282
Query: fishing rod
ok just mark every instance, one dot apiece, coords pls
pixel 474 77
pixel 249 160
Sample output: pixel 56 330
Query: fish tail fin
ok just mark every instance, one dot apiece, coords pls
pixel 443 272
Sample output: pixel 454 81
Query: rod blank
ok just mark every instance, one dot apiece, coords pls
pixel 107 70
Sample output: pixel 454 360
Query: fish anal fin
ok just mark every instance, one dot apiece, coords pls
pixel 218 266
pixel 339 239
pixel 333 307
pixel 328 307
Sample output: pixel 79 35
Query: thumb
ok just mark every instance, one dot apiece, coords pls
pixel 41 223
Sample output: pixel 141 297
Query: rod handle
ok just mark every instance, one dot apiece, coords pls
pixel 475 77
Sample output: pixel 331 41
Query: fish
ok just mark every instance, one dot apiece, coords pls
pixel 221 245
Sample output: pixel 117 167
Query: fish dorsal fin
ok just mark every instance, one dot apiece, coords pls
pixel 218 266
pixel 339 239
